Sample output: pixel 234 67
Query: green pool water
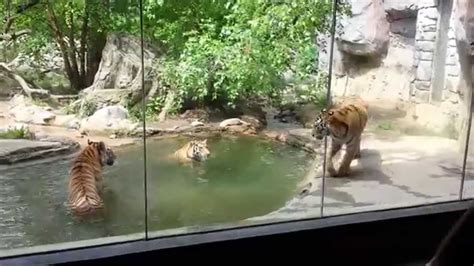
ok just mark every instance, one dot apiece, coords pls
pixel 244 177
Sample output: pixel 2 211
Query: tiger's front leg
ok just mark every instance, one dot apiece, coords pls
pixel 352 149
pixel 357 155
pixel 335 148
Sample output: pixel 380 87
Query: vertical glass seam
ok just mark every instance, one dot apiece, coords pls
pixel 469 122
pixel 328 98
pixel 466 146
pixel 145 188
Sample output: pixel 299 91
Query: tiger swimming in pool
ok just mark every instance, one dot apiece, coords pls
pixel 85 178
pixel 344 123
pixel 192 151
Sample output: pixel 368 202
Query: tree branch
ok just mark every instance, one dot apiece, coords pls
pixel 25 84
pixel 19 10
pixel 8 24
pixel 12 37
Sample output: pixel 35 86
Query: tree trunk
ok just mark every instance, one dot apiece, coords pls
pixel 95 41
pixel 59 37
pixel 94 55
pixel 81 64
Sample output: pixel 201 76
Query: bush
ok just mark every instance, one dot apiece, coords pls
pixel 245 54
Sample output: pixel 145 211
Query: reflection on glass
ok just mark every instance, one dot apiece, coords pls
pixel 69 88
pixel 407 71
pixel 237 84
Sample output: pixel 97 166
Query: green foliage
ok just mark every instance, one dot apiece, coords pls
pixel 216 50
pixel 152 108
pixel 16 133
pixel 81 108
pixel 244 52
pixel 314 90
pixel 87 109
pixel 155 105
pixel 385 125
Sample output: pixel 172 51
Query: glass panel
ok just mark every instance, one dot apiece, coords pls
pixel 464 15
pixel 400 60
pixel 66 79
pixel 230 112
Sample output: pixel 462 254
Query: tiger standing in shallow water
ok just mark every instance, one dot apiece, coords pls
pixel 344 123
pixel 194 150
pixel 85 178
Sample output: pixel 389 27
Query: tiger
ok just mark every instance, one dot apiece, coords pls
pixel 85 177
pixel 344 123
pixel 192 151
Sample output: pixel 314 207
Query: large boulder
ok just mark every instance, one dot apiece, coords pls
pixel 50 60
pixel 231 122
pixel 238 126
pixel 118 79
pixel 19 150
pixel 23 110
pixel 402 16
pixel 246 109
pixel 67 121
pixel 110 118
pixel 397 9
pixel 45 69
pixel 366 32
pixel 92 100
pixel 32 115
pixel 253 121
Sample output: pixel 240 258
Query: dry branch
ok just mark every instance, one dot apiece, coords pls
pixel 27 86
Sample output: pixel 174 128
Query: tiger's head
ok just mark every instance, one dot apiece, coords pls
pixel 320 126
pixel 107 155
pixel 198 150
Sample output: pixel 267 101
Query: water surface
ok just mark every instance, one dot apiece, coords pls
pixel 244 177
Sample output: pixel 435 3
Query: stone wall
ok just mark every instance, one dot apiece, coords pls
pixel 434 89
pixel 450 100
pixel 421 67
pixel 425 42
pixel 431 32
